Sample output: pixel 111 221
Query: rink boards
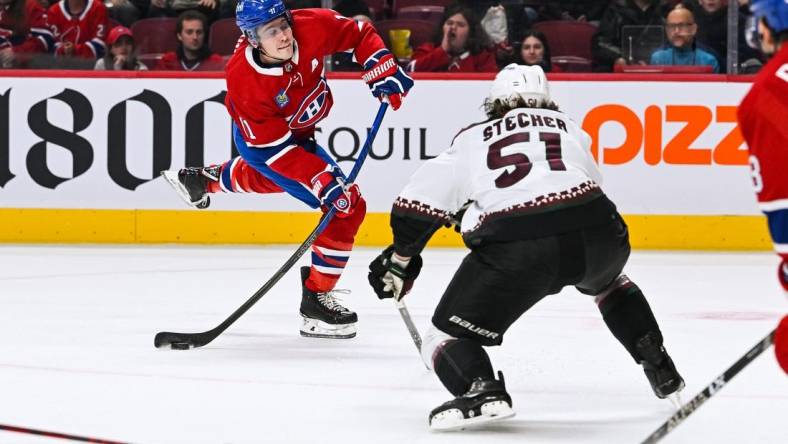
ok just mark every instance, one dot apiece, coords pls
pixel 80 155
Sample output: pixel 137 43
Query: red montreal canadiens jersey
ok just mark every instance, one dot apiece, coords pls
pixel 32 36
pixel 86 31
pixel 272 105
pixel 763 122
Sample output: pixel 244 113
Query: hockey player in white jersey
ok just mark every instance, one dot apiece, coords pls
pixel 526 192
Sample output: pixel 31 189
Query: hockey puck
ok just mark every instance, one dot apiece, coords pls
pixel 180 346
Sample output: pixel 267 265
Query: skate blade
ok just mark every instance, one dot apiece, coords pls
pixel 172 178
pixel 452 420
pixel 675 399
pixel 313 328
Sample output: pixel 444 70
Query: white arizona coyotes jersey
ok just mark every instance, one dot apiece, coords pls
pixel 531 160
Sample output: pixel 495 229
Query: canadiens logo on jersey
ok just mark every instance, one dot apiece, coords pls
pixel 313 108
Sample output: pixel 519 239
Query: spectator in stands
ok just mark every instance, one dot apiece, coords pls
pixel 682 49
pixel 192 54
pixel 23 32
pixel 79 28
pixel 534 50
pixel 519 13
pixel 121 53
pixel 712 19
pixel 174 8
pixel 459 45
pixel 495 24
pixel 606 44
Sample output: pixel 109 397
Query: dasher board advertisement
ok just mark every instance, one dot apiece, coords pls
pixel 664 147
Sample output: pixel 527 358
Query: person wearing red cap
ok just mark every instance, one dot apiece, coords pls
pixel 122 53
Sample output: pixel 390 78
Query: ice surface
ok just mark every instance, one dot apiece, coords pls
pixel 77 355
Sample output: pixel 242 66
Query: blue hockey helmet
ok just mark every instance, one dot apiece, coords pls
pixel 774 11
pixel 249 14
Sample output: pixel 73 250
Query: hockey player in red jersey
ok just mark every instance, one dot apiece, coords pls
pixel 762 120
pixel 23 32
pixel 276 94
pixel 536 220
pixel 79 27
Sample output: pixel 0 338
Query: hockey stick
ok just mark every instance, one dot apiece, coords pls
pixel 710 390
pixel 414 332
pixel 185 341
pixel 17 429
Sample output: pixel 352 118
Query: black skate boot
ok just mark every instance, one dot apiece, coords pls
pixel 658 366
pixel 323 316
pixel 191 184
pixel 484 402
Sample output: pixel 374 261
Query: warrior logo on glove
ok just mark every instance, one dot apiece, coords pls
pixel 385 78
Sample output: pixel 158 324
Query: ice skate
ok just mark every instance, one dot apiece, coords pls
pixel 484 402
pixel 659 368
pixel 323 315
pixel 191 184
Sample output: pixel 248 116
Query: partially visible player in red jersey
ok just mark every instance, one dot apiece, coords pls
pixel 762 120
pixel 80 27
pixel 23 32
pixel 276 94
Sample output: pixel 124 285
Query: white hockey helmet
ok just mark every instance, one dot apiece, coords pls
pixel 520 81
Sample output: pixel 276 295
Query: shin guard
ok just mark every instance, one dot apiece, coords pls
pixel 627 314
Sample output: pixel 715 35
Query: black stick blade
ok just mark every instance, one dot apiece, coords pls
pixel 179 341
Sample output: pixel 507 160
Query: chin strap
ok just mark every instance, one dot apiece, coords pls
pixel 260 48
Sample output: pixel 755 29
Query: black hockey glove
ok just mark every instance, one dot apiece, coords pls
pixel 392 280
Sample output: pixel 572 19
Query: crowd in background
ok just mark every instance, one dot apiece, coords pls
pixel 433 36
